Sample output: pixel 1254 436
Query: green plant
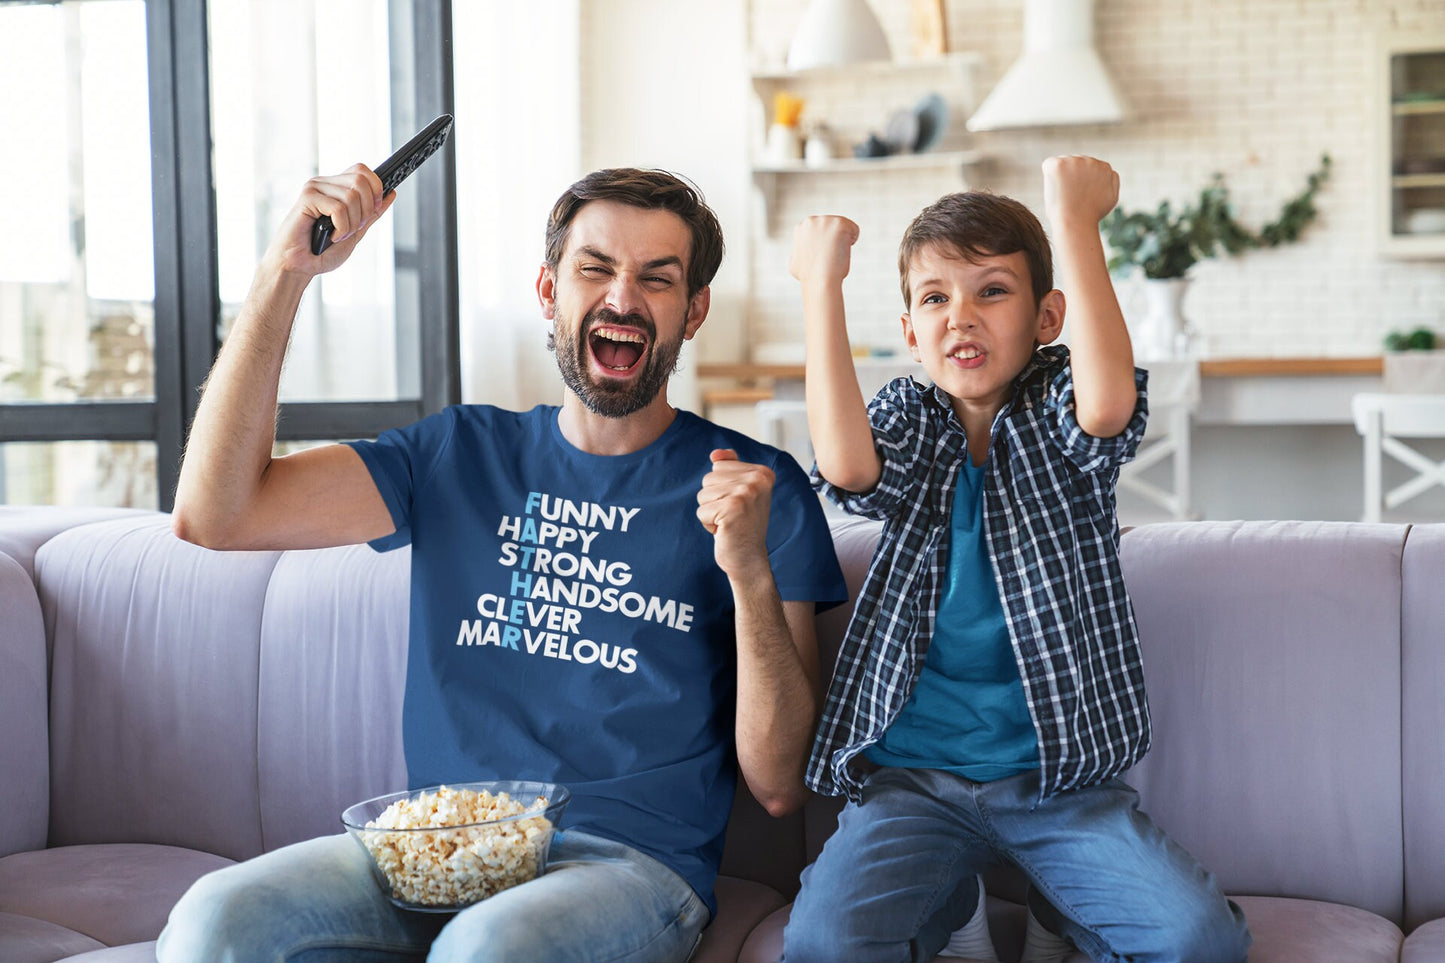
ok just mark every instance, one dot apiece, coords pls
pixel 1420 339
pixel 1166 244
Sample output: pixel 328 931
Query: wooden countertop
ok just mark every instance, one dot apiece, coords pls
pixel 1209 368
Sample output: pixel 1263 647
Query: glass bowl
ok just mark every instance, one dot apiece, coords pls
pixel 443 848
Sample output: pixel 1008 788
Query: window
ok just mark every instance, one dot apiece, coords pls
pixel 167 138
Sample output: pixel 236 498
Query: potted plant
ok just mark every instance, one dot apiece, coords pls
pixel 1164 244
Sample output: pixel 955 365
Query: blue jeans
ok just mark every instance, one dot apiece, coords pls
pixel 317 901
pixel 899 875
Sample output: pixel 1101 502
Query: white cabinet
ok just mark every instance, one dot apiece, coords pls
pixel 1412 146
pixel 862 99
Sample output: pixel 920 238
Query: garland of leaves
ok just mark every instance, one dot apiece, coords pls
pixel 1164 244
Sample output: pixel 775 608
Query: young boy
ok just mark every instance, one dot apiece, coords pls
pixel 989 690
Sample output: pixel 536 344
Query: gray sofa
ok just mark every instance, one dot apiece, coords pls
pixel 167 710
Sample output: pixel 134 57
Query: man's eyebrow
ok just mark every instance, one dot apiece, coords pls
pixel 587 251
pixel 590 252
pixel 672 260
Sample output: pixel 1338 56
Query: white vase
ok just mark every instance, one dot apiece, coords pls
pixel 1163 332
pixel 784 145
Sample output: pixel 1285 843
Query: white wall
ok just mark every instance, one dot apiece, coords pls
pixel 664 84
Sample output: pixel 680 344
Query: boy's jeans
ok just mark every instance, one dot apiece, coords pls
pixel 898 876
pixel 317 901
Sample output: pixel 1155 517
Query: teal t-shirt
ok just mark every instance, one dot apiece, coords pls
pixel 967 713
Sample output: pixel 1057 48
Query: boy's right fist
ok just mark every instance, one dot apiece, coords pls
pixel 821 246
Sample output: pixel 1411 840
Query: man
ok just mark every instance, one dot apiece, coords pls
pixel 611 594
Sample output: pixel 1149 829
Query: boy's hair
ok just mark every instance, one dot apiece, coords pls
pixel 651 190
pixel 974 225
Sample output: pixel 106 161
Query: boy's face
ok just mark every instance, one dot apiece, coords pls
pixel 974 325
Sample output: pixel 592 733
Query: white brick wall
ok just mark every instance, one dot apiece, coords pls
pixel 1256 89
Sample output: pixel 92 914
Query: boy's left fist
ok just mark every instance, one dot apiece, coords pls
pixel 1079 186
pixel 821 249
pixel 733 506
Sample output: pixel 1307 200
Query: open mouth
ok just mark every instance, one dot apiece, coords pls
pixel 617 349
pixel 968 356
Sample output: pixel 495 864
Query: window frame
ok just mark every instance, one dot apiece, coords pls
pixel 187 295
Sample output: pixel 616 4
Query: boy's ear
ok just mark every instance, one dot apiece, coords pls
pixel 909 337
pixel 1051 316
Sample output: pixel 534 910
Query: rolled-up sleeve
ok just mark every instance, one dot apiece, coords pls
pixel 1087 452
pixel 894 416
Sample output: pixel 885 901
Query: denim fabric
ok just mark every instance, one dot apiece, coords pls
pixel 317 901
pixel 898 875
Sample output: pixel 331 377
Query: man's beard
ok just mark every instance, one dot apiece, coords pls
pixel 614 400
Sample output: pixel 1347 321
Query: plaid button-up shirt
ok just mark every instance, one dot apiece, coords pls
pixel 1050 526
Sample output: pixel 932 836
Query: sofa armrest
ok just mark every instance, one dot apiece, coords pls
pixel 25 746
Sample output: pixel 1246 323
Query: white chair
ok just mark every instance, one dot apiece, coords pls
pixel 1173 398
pixel 782 420
pixel 783 423
pixel 1382 419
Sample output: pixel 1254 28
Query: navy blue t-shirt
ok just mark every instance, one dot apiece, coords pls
pixel 569 622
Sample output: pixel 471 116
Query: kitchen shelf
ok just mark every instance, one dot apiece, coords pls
pixel 1410 108
pixel 846 165
pixel 1407 181
pixel 874 89
pixel 1411 134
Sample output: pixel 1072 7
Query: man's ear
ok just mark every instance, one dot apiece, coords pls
pixel 909 337
pixel 547 291
pixel 1051 316
pixel 697 309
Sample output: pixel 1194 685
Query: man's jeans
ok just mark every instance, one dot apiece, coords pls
pixel 317 901
pixel 898 876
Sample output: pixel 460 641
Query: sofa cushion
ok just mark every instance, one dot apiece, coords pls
pixel 114 894
pixel 762 847
pixel 742 905
pixel 25 529
pixel 1426 944
pixel 332 673
pixel 153 687
pixel 130 953
pixel 26 939
pixel 1285 637
pixel 1424 714
pixel 1289 930
pixel 24 750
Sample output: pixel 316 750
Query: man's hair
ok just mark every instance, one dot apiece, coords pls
pixel 651 190
pixel 974 225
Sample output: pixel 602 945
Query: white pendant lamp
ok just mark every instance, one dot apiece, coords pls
pixel 1059 79
pixel 837 32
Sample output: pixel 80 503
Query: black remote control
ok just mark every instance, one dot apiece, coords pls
pixel 392 171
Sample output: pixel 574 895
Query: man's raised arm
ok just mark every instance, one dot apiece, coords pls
pixel 778 672
pixel 232 493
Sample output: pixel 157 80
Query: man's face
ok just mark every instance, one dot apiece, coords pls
pixel 974 324
pixel 620 306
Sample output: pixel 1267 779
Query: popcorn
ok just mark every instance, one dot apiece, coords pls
pixel 458 866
